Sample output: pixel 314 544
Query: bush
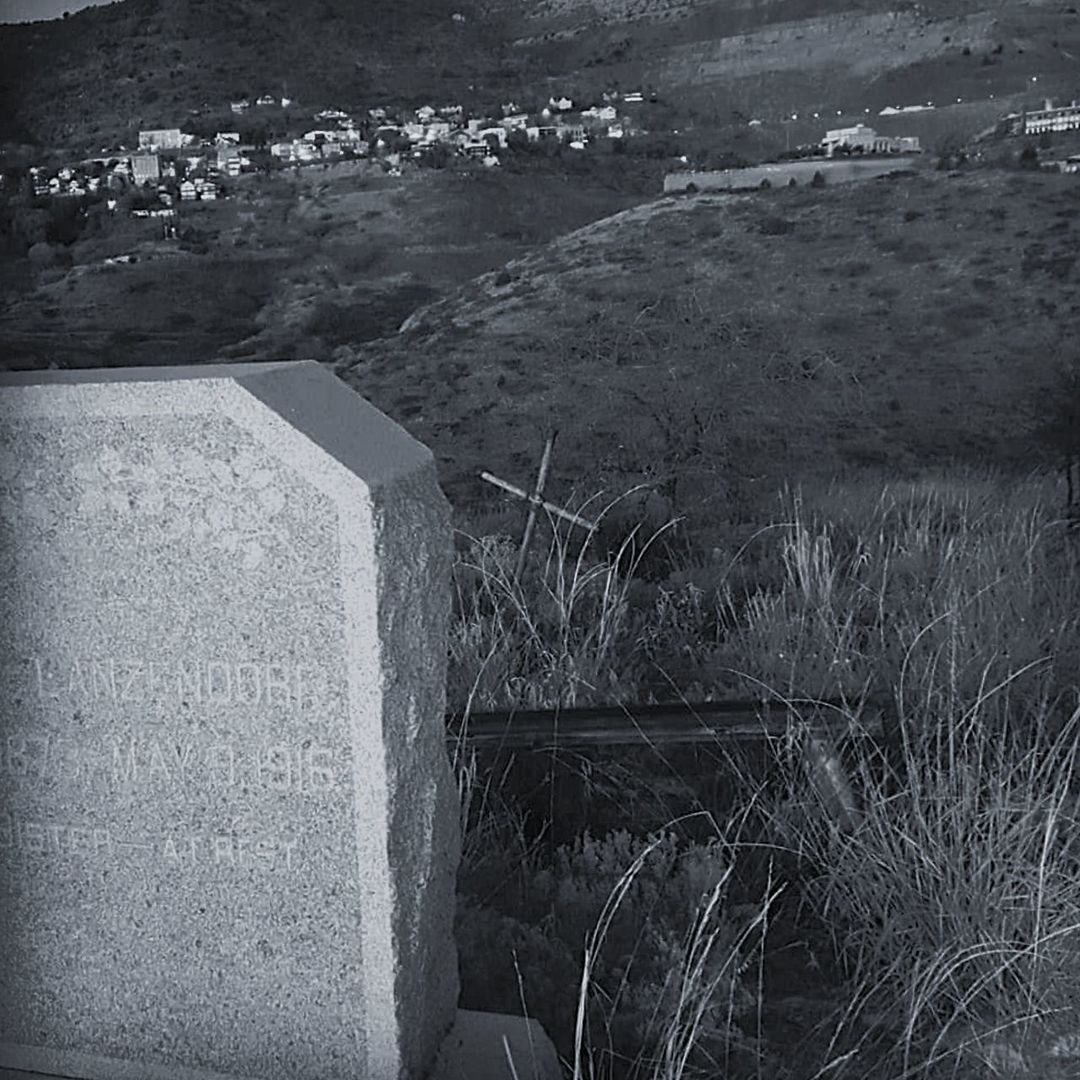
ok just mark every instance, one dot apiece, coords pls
pixel 1028 158
pixel 818 179
pixel 641 926
pixel 44 255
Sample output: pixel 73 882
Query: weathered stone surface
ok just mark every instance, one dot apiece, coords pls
pixel 495 1046
pixel 228 831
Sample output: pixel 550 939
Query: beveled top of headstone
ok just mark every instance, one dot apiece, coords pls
pixel 365 440
pixel 228 831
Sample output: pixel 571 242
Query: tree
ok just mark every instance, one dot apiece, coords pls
pixel 1060 435
pixel 1028 157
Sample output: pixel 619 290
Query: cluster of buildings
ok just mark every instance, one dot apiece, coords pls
pixel 188 167
pixel 243 105
pixel 167 161
pixel 385 130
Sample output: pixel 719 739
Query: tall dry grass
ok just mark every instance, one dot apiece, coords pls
pixel 920 590
pixel 560 634
pixel 950 887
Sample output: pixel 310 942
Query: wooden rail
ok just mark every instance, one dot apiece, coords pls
pixel 618 725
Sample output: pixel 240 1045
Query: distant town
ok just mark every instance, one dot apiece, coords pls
pixel 170 166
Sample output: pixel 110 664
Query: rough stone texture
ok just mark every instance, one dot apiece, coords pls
pixel 494 1046
pixel 228 830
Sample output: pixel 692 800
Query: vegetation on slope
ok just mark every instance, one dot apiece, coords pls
pixel 103 73
pixel 712 346
pixel 916 918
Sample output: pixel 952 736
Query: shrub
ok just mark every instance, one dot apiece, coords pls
pixel 1028 158
pixel 641 928
pixel 818 179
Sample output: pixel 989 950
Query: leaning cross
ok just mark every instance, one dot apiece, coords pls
pixel 536 500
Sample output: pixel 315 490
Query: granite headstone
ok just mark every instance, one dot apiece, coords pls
pixel 228 829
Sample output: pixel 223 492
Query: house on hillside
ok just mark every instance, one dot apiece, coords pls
pixel 266 99
pixel 425 113
pixel 227 138
pixel 240 106
pixel 560 104
pixel 145 169
pixel 864 139
pixel 187 191
pixel 161 139
pixel 599 115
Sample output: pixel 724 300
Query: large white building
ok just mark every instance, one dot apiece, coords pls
pixel 161 139
pixel 866 139
pixel 1048 118
pixel 145 168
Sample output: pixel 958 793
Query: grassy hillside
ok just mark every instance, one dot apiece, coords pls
pixel 717 346
pixel 103 73
pixel 144 63
pixel 289 266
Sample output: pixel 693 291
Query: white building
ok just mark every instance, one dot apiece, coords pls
pixel 145 168
pixel 1048 118
pixel 866 139
pixel 599 114
pixel 161 139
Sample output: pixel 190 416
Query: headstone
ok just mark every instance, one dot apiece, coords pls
pixel 228 829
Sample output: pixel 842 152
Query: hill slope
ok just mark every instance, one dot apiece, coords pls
pixel 719 345
pixel 144 63
pixel 107 71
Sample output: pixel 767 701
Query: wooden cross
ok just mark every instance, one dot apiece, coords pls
pixel 536 500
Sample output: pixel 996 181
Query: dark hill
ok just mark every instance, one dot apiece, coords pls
pixel 106 71
pixel 717 346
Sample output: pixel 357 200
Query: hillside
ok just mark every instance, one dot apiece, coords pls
pixel 288 266
pixel 717 346
pixel 103 73
pixel 107 71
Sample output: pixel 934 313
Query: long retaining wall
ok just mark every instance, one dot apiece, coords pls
pixel 779 174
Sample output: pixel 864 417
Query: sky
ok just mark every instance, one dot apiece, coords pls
pixel 31 10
